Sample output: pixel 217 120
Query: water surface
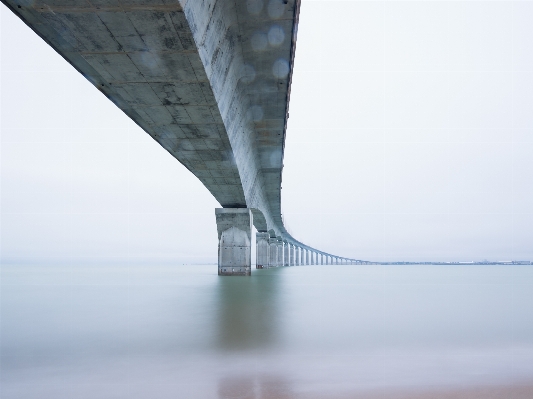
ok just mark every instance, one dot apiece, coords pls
pixel 166 331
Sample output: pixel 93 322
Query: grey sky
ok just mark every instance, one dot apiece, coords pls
pixel 410 137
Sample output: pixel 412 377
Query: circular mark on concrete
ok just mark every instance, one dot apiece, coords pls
pixel 280 69
pixel 276 36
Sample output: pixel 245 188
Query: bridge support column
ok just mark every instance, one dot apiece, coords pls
pixel 262 250
pixel 272 252
pixel 312 258
pixel 280 253
pixel 296 256
pixel 286 250
pixel 321 259
pixel 234 227
pixel 291 255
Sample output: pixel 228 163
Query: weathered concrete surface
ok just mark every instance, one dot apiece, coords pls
pixel 280 252
pixel 291 255
pixel 234 227
pixel 262 250
pixel 209 80
pixel 273 252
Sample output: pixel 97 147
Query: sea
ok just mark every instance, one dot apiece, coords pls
pixel 99 331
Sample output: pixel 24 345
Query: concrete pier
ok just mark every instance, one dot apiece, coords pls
pixel 297 256
pixel 286 253
pixel 272 252
pixel 280 252
pixel 291 255
pixel 261 250
pixel 234 226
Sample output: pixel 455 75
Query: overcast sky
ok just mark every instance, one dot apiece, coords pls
pixel 410 138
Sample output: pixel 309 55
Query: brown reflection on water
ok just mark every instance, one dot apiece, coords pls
pixel 263 387
pixel 248 311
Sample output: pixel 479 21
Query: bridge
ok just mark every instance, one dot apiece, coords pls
pixel 210 81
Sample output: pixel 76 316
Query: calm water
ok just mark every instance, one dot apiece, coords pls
pixel 160 331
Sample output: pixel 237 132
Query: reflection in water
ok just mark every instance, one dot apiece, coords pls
pixel 247 320
pixel 248 311
pixel 262 387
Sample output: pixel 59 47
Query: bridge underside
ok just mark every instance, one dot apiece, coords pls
pixel 210 82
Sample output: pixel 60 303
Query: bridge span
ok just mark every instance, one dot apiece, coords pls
pixel 210 81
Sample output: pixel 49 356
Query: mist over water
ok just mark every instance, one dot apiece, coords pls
pixel 135 331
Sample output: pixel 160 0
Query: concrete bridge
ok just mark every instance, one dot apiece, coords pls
pixel 210 81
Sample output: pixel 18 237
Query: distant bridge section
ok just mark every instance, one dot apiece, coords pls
pixel 210 81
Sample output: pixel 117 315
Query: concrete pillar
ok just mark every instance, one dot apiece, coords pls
pixel 286 253
pixel 261 250
pixel 312 258
pixel 321 259
pixel 291 254
pixel 234 226
pixel 307 257
pixel 296 256
pixel 272 252
pixel 280 252
pixel 327 259
pixel 337 260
